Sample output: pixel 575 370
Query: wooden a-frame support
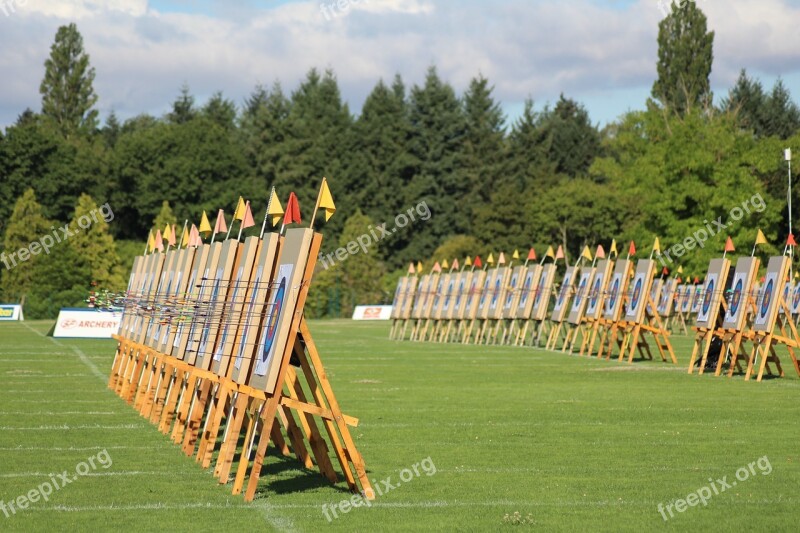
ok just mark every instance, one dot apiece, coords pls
pixel 175 395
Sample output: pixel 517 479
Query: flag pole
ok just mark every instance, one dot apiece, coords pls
pixel 146 244
pixel 228 236
pixel 266 215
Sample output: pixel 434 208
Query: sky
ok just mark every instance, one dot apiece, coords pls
pixel 600 52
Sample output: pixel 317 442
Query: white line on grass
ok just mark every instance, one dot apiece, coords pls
pixel 95 474
pixel 54 413
pixel 66 427
pixel 75 448
pixel 82 356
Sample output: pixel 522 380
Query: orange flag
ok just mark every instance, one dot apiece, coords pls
pixel 729 245
pixel 194 237
pixel 247 220
pixel 292 214
pixel 220 226
pixel 632 249
pixel 437 267
pixel 159 241
pixel 559 253
pixel 790 241
pixel 600 253
pixel 532 255
pixel 477 263
pixel 411 269
pixel 171 239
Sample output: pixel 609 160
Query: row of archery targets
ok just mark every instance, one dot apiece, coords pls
pixel 609 308
pixel 215 350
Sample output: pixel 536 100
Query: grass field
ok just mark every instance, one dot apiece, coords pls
pixel 568 443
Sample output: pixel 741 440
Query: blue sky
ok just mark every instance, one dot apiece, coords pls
pixel 600 52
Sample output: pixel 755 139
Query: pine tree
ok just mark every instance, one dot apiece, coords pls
pixel 781 115
pixel 484 142
pixel 747 101
pixel 27 225
pixel 572 142
pixel 685 56
pixel 221 111
pixel 183 109
pixel 93 242
pixel 68 96
pixel 164 217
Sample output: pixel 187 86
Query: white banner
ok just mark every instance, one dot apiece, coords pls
pixel 372 312
pixel 10 312
pixel 86 323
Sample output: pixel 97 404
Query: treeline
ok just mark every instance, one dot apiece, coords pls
pixel 549 176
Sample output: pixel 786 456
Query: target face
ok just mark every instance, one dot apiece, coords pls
pixel 510 296
pixel 563 292
pixel 796 297
pixel 471 291
pixel 539 292
pixel 460 292
pixel 448 295
pixel 767 299
pixel 736 297
pixel 637 294
pixel 595 294
pixel 612 299
pixel 526 289
pixel 246 330
pixel 708 296
pixel 495 293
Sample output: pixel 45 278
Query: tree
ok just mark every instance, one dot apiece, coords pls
pixel 685 56
pixel 221 111
pixel 164 217
pixel 571 142
pixel 92 242
pixel 27 225
pixel 183 107
pixel 68 96
pixel 781 115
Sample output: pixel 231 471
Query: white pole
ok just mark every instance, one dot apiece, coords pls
pixel 788 156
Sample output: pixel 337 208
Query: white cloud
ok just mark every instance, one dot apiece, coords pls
pixel 602 52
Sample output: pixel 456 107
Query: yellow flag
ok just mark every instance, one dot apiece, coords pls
pixel 680 270
pixel 550 253
pixel 275 210
pixel 166 235
pixel 586 253
pixel 657 246
pixel 151 242
pixel 419 266
pixel 613 248
pixel 240 207
pixel 444 264
pixel 326 200
pixel 490 260
pixel 468 262
pixel 205 226
pixel 516 254
pixel 185 238
pixel 760 239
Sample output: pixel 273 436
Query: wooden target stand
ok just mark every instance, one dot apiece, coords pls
pixel 764 335
pixel 287 417
pixel 709 317
pixel 642 323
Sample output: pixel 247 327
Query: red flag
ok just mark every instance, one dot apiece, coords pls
pixel 729 245
pixel 559 253
pixel 632 249
pixel 664 271
pixel 477 263
pixel 247 220
pixel 532 255
pixel 679 280
pixel 220 226
pixel 696 280
pixel 790 241
pixel 292 214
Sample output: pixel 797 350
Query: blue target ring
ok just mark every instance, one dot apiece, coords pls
pixel 526 289
pixel 796 297
pixel 707 297
pixel 595 293
pixel 767 298
pixel 272 326
pixel 539 292
pixel 736 299
pixel 637 294
pixel 613 297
